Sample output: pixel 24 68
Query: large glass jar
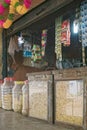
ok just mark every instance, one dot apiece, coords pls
pixel 6 91
pixel 25 96
pixel 17 96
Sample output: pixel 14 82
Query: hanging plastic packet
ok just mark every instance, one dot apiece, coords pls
pixel 36 53
pixel 83 22
pixel 27 52
pixel 43 42
pixel 20 42
pixel 65 34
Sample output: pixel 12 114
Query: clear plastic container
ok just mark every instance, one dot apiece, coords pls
pixel 17 96
pixel 6 92
pixel 1 81
pixel 25 96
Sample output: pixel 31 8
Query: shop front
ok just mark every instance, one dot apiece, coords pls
pixel 51 40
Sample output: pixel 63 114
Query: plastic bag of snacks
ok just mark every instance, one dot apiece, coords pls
pixel 25 96
pixel 17 96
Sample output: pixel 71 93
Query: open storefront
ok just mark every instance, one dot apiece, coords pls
pixel 53 39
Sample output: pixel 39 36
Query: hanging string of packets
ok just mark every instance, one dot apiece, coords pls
pixel 65 33
pixel 83 18
pixel 58 46
pixel 36 53
pixel 43 42
pixel 62 35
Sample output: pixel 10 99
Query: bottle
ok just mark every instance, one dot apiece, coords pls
pixel 6 91
pixel 17 96
pixel 25 96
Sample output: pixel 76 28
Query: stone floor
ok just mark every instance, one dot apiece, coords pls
pixel 14 121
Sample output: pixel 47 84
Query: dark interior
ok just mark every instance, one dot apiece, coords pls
pixel 72 52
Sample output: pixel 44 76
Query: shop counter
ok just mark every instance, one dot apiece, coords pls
pixel 59 96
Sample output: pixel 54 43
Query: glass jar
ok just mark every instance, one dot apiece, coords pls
pixel 25 96
pixel 6 92
pixel 17 96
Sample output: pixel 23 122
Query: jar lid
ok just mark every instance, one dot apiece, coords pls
pixel 1 81
pixel 26 81
pixel 7 79
pixel 12 79
pixel 19 82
